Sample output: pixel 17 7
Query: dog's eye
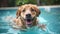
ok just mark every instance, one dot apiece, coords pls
pixel 32 9
pixel 23 10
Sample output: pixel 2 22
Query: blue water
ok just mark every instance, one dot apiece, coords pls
pixel 50 17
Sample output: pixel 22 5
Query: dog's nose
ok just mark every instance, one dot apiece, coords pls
pixel 28 15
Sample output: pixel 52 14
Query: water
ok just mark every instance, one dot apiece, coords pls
pixel 50 17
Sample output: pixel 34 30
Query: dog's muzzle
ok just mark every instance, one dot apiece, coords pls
pixel 28 19
pixel 28 15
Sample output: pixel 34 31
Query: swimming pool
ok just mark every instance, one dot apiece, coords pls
pixel 49 16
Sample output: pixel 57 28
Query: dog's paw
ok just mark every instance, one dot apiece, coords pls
pixel 24 30
pixel 43 27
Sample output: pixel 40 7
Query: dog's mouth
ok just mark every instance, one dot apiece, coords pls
pixel 28 21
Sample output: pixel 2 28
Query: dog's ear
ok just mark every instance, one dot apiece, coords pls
pixel 18 12
pixel 37 11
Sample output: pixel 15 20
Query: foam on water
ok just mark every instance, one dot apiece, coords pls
pixel 48 16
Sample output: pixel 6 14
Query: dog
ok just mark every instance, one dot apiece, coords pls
pixel 26 16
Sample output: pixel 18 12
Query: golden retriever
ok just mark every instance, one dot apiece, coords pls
pixel 26 16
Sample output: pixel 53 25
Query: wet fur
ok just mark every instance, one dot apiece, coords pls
pixel 19 22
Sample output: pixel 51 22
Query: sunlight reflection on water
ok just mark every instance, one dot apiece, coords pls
pixel 49 16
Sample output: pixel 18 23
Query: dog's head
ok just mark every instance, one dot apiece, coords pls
pixel 28 12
